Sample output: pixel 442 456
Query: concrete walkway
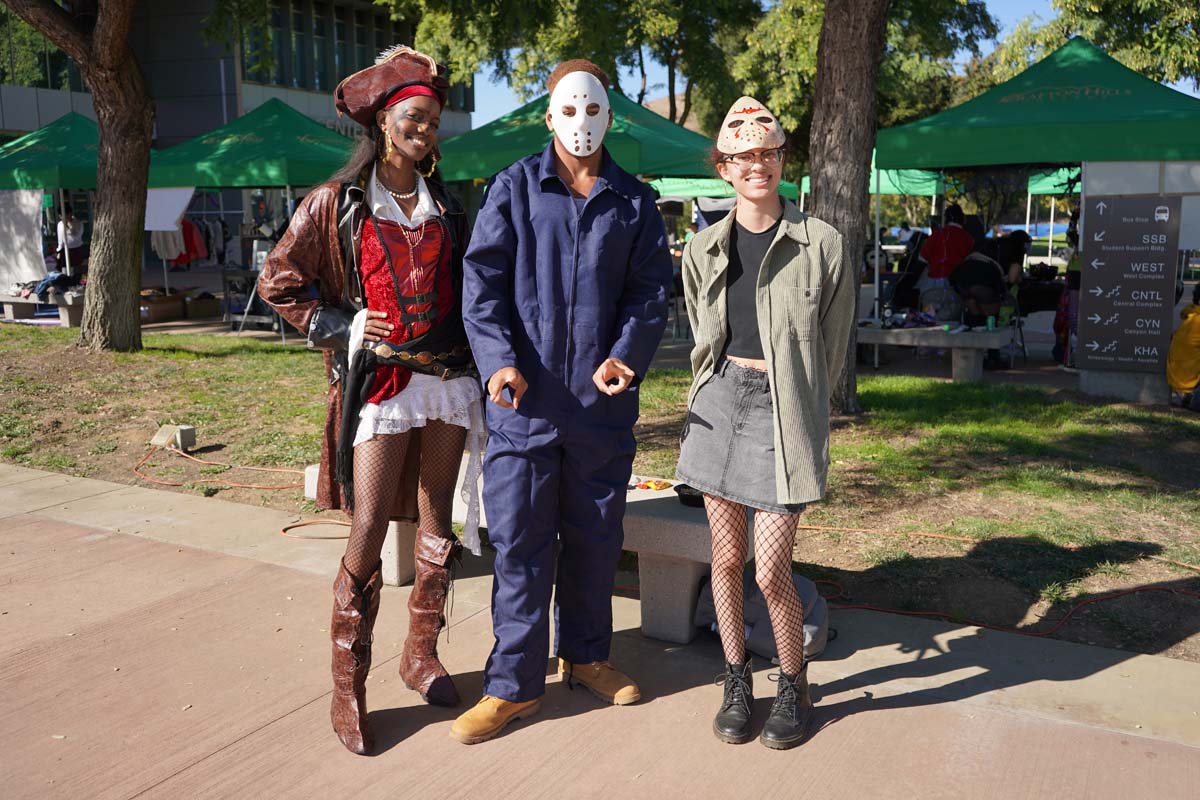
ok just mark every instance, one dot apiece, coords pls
pixel 157 644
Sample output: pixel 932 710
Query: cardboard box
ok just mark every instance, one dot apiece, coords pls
pixel 161 309
pixel 201 307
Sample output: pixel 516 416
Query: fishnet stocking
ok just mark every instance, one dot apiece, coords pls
pixel 728 523
pixel 377 465
pixel 774 539
pixel 441 454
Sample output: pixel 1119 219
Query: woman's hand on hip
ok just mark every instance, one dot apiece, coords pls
pixel 375 328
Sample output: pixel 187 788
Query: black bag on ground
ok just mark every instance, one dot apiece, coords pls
pixel 760 638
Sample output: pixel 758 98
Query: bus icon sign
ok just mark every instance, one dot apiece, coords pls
pixel 1162 214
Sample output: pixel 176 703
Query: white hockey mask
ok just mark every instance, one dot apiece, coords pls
pixel 575 94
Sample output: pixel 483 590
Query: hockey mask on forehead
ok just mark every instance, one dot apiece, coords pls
pixel 579 112
pixel 749 125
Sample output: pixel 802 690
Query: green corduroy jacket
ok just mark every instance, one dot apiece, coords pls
pixel 805 303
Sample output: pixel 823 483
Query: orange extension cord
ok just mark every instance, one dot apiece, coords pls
pixel 155 448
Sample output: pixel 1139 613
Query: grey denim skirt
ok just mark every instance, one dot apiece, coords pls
pixel 727 447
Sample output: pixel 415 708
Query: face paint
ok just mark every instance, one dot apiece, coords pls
pixel 579 112
pixel 749 125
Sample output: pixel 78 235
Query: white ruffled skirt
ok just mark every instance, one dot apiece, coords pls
pixel 454 402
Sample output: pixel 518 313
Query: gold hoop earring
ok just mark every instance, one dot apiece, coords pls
pixel 433 160
pixel 387 149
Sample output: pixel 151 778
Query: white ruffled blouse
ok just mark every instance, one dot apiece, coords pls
pixel 455 402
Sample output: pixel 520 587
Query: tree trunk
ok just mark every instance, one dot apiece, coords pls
pixel 111 312
pixel 97 38
pixel 841 138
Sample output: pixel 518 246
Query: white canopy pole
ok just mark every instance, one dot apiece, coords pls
pixel 878 220
pixel 1050 243
pixel 801 201
pixel 1028 208
pixel 66 243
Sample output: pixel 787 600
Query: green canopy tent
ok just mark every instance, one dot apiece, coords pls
pixel 272 146
pixel 709 187
pixel 917 182
pixel 1076 104
pixel 1053 182
pixel 61 155
pixel 641 142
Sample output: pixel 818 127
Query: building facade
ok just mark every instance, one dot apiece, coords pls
pixel 309 46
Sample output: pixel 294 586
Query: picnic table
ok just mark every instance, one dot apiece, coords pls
pixel 966 348
pixel 70 307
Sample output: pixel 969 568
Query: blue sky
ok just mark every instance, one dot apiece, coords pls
pixel 494 98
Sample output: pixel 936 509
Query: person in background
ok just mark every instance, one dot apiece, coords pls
pixel 905 233
pixel 948 245
pixel 1010 252
pixel 770 297
pixel 1066 318
pixel 1183 359
pixel 691 231
pixel 981 283
pixel 70 242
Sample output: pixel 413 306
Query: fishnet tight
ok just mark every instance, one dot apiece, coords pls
pixel 377 466
pixel 774 538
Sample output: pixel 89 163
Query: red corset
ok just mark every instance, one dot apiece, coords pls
pixel 421 258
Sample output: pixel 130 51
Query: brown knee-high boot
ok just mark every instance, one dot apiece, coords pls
pixel 419 665
pixel 354 610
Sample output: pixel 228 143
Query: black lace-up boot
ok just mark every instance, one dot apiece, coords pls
pixel 732 723
pixel 793 708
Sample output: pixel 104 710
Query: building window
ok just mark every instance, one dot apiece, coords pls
pixel 383 28
pixel 362 47
pixel 320 40
pixel 277 43
pixel 341 46
pixel 29 59
pixel 299 50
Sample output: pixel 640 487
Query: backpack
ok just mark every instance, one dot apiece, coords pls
pixel 760 638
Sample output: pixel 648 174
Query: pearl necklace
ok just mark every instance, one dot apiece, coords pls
pixel 409 195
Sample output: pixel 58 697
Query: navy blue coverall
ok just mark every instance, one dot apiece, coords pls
pixel 554 287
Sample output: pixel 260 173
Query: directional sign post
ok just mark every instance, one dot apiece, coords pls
pixel 1127 289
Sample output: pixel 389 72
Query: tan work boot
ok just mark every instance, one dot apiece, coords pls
pixel 488 718
pixel 603 680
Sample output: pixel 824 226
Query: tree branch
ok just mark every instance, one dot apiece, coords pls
pixel 687 101
pixel 642 68
pixel 55 24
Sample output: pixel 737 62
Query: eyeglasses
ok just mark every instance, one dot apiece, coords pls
pixel 769 158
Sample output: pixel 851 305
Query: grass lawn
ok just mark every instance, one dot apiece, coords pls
pixel 1062 498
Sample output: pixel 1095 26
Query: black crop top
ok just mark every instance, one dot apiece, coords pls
pixel 746 253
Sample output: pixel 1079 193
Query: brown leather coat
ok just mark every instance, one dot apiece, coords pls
pixel 304 271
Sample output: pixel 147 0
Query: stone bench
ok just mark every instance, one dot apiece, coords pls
pixel 674 547
pixel 966 349
pixel 672 541
pixel 70 307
